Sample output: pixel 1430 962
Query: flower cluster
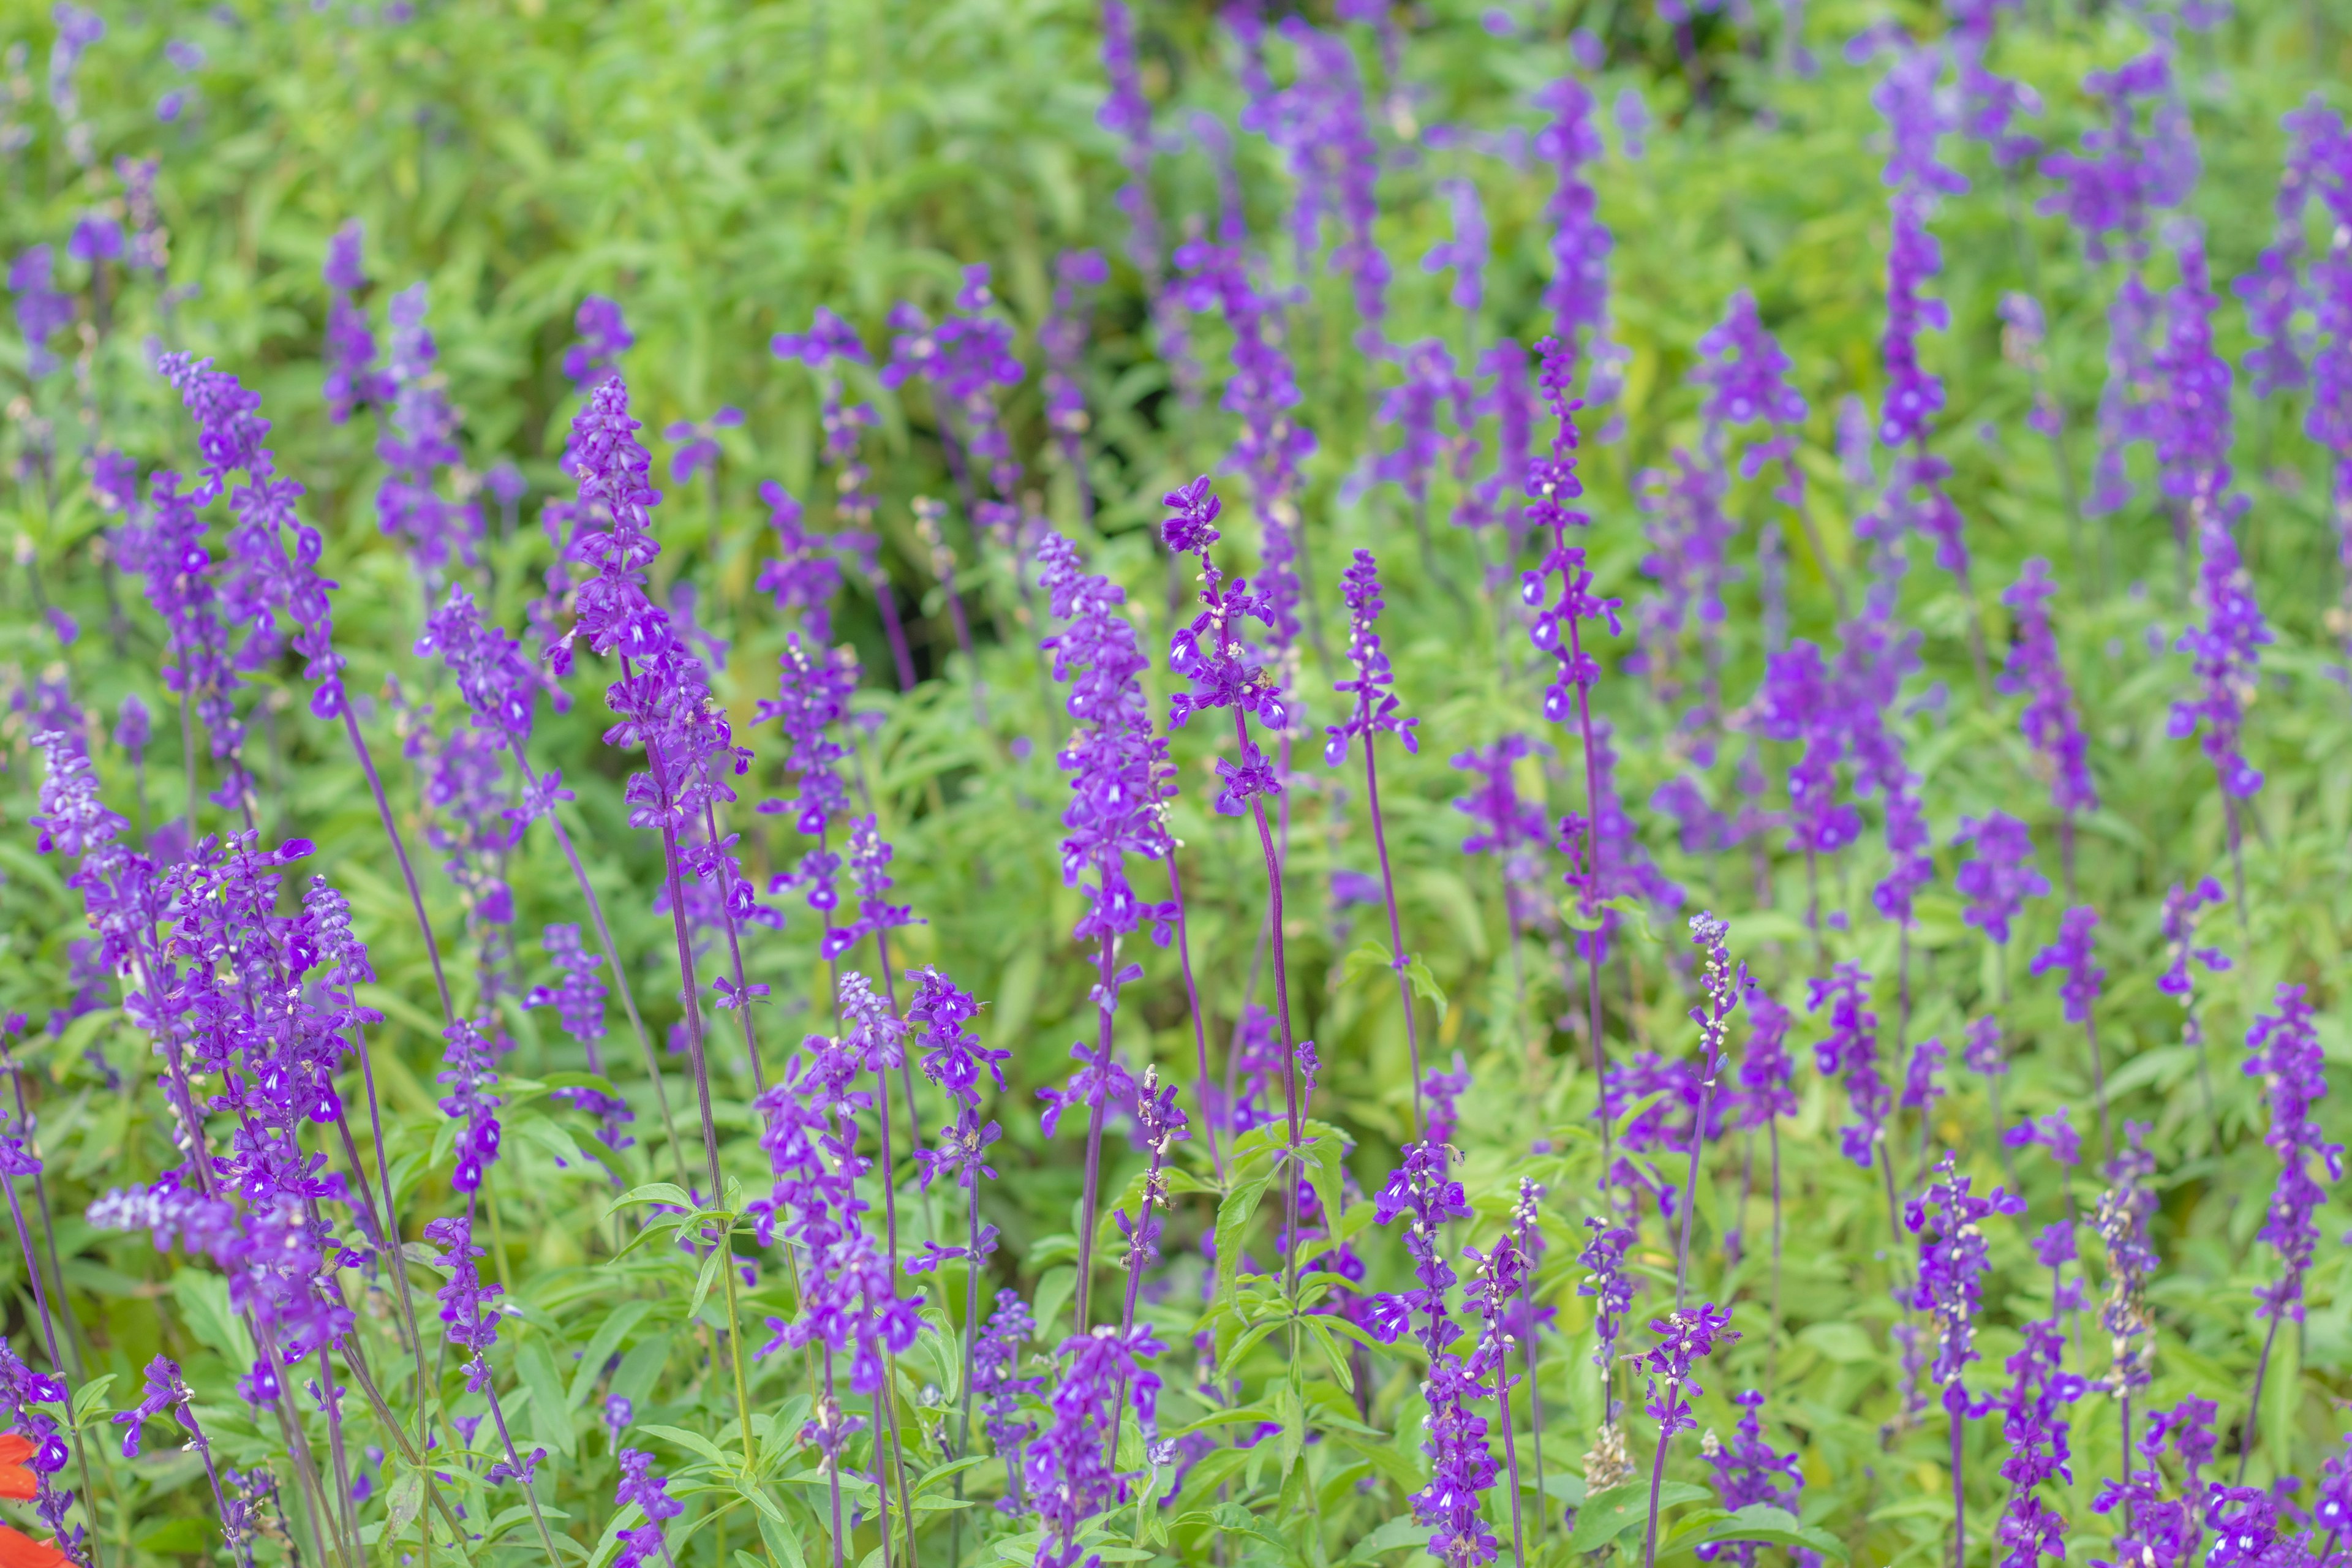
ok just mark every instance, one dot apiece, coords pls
pixel 2283 1052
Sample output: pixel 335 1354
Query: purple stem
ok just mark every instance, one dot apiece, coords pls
pixel 2253 1404
pixel 1097 1100
pixel 887 599
pixel 1398 959
pixel 1591 942
pixel 528 1496
pixel 1200 1029
pixel 735 954
pixel 1281 1009
pixel 399 850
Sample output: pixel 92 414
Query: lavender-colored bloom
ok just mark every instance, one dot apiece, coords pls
pixel 1745 374
pixel 1578 295
pixel 1421 1192
pixel 1551 485
pixel 1117 766
pixel 2283 1052
pixel 470 1071
pixel 964 360
pixel 96 237
pixel 578 998
pixel 1320 125
pixel 2120 173
pixel 1920 1087
pixel 2180 906
pixel 604 338
pixel 1799 702
pixel 2034 1441
pixel 1125 114
pixel 1371 688
pixel 1850 1053
pixel 418 447
pixel 1953 1262
pixel 1686 1336
pixel 1062 338
pixel 2000 876
pixel 1465 254
pixel 24 1398
pixel 1612 1291
pixel 2054 1132
pixel 2122 1216
pixel 2072 952
pixel 1068 1469
pixel 1747 1471
pixel 1264 392
pixel 2051 724
pixel 41 309
pixel 1982 1053
pixel 469 1305
pixel 650 1494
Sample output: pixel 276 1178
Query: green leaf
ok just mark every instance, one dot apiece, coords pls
pixel 1773 1526
pixel 1393 1536
pixel 1233 1216
pixel 601 1346
pixel 550 1412
pixel 91 1396
pixel 1055 1287
pixel 402 1501
pixel 668 1193
pixel 1607 1515
pixel 705 1277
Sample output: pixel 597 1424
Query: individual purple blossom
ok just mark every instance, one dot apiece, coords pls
pixel 2072 952
pixel 41 309
pixel 1998 879
pixel 2284 1053
pixel 1745 374
pixel 96 239
pixel 700 448
pixel 2053 1131
pixel 1921 1089
pixel 1799 702
pixel 1371 688
pixel 1982 1053
pixel 650 1494
pixel 1766 1068
pixel 2051 720
pixel 1850 1053
pixel 1953 1263
pixel 469 1305
pixel 25 1396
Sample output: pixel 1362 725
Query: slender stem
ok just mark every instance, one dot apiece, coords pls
pixel 400 853
pixel 829 1416
pixel 1690 1188
pixel 1590 942
pixel 2099 1086
pixel 2253 1404
pixel 1657 1481
pixel 906 1072
pixel 1200 1026
pixel 1959 1492
pixel 1282 1017
pixel 515 1459
pixel 735 1340
pixel 889 1361
pixel 1397 957
pixel 1510 1464
pixel 735 954
pixel 1772 1340
pixel 15 1072
pixel 1097 1099
pixel 620 972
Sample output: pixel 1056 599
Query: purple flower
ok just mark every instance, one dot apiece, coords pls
pixel 2051 724
pixel 1686 1336
pixel 2072 952
pixel 1465 254
pixel 650 1494
pixel 1953 1262
pixel 1578 295
pixel 419 445
pixel 701 450
pixel 1982 1053
pixel 1850 1053
pixel 1374 702
pixel 470 1071
pixel 1227 673
pixel 41 309
pixel 1125 114
pixel 1264 392
pixel 605 337
pixel 1920 1089
pixel 1119 768
pixel 578 998
pixel 1320 125
pixel 1998 880
pixel 469 1306
pixel 1799 702
pixel 353 377
pixel 1746 376
pixel 1612 1291
pixel 2055 1133
pixel 2283 1052
pixel 2180 906
pixel 1747 1471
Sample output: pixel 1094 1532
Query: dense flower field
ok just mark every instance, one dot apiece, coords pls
pixel 1027 783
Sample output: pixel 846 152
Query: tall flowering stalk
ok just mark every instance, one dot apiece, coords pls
pixel 1496 1282
pixel 2180 906
pixel 1117 767
pixel 2283 1052
pixel 470 1319
pixel 662 701
pixel 828 344
pixel 1996 880
pixel 271 584
pixel 1745 374
pixel 1953 1262
pixel 501 689
pixel 1723 983
pixel 1212 655
pixel 1764 1097
pixel 1421 1192
pixel 2051 720
pixel 1560 590
pixel 1686 1336
pixel 2080 994
pixel 1373 712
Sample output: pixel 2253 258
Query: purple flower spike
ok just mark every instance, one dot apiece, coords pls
pixel 2180 906
pixel 2000 876
pixel 2072 952
pixel 2051 720
pixel 1850 1053
pixel 2283 1052
pixel 650 1494
pixel 1371 688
